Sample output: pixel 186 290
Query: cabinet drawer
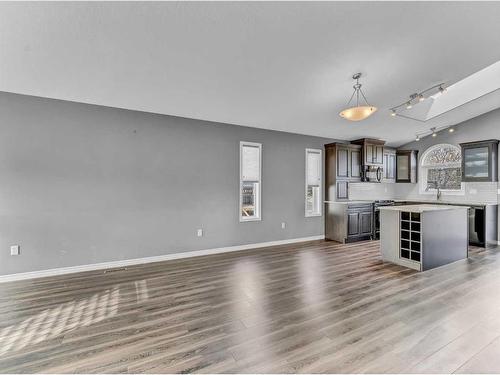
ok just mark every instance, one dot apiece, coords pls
pixel 360 207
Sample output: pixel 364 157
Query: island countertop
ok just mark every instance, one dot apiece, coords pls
pixel 422 208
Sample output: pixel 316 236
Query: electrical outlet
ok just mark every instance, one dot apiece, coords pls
pixel 283 225
pixel 14 250
pixel 199 232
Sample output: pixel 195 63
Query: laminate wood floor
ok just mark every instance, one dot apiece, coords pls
pixel 312 307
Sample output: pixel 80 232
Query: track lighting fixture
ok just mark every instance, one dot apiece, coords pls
pixel 451 130
pixel 417 98
pixel 434 134
pixel 417 138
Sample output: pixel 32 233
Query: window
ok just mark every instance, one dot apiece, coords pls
pixel 313 182
pixel 250 181
pixel 441 167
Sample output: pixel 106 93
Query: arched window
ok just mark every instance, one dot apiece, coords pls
pixel 440 166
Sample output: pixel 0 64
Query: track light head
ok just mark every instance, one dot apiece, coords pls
pixel 393 112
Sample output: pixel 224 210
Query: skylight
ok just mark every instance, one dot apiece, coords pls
pixel 474 87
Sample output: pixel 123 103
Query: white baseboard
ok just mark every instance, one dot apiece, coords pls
pixel 160 258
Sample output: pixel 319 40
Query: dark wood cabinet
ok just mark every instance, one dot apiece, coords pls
pixel 352 224
pixel 406 166
pixel 365 223
pixel 342 166
pixel 389 165
pixel 343 162
pixel 355 163
pixel 359 221
pixel 372 150
pixel 480 161
pixel 378 154
pixel 342 190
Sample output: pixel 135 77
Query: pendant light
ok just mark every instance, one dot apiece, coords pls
pixel 359 112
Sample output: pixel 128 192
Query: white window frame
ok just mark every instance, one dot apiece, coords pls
pixel 423 173
pixel 258 205
pixel 320 152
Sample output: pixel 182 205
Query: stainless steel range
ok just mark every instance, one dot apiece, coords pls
pixel 376 216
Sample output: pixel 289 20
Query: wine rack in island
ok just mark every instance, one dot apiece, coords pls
pixel 410 236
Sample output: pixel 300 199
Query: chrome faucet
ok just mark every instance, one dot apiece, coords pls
pixel 435 185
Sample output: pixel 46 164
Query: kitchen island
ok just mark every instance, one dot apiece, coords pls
pixel 423 236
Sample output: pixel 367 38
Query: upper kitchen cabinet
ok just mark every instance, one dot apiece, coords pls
pixel 389 165
pixel 372 150
pixel 342 166
pixel 406 166
pixel 479 161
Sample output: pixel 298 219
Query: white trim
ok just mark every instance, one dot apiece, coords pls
pixel 320 152
pixel 160 258
pixel 258 205
pixel 422 172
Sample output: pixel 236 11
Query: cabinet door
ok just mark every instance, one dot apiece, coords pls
pixel 403 168
pixel 391 167
pixel 342 190
pixel 355 163
pixel 353 223
pixel 386 166
pixel 378 154
pixel 342 162
pixel 479 161
pixel 476 163
pixel 369 154
pixel 365 222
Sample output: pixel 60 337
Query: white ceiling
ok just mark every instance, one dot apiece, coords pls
pixel 274 65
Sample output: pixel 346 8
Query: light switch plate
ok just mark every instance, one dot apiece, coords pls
pixel 283 225
pixel 14 250
pixel 199 232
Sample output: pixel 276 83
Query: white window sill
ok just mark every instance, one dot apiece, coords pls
pixel 314 215
pixel 244 220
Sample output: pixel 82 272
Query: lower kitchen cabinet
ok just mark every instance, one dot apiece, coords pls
pixel 348 222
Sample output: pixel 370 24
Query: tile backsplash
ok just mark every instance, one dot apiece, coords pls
pixel 371 191
pixel 474 192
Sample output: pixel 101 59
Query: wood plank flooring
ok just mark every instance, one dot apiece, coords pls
pixel 313 307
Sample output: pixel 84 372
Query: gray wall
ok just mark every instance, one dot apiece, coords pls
pixel 84 184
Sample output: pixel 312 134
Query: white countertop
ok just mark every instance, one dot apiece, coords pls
pixel 444 201
pixel 422 208
pixel 417 201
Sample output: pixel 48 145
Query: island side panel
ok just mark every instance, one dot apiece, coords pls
pixel 389 236
pixel 491 235
pixel 444 237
